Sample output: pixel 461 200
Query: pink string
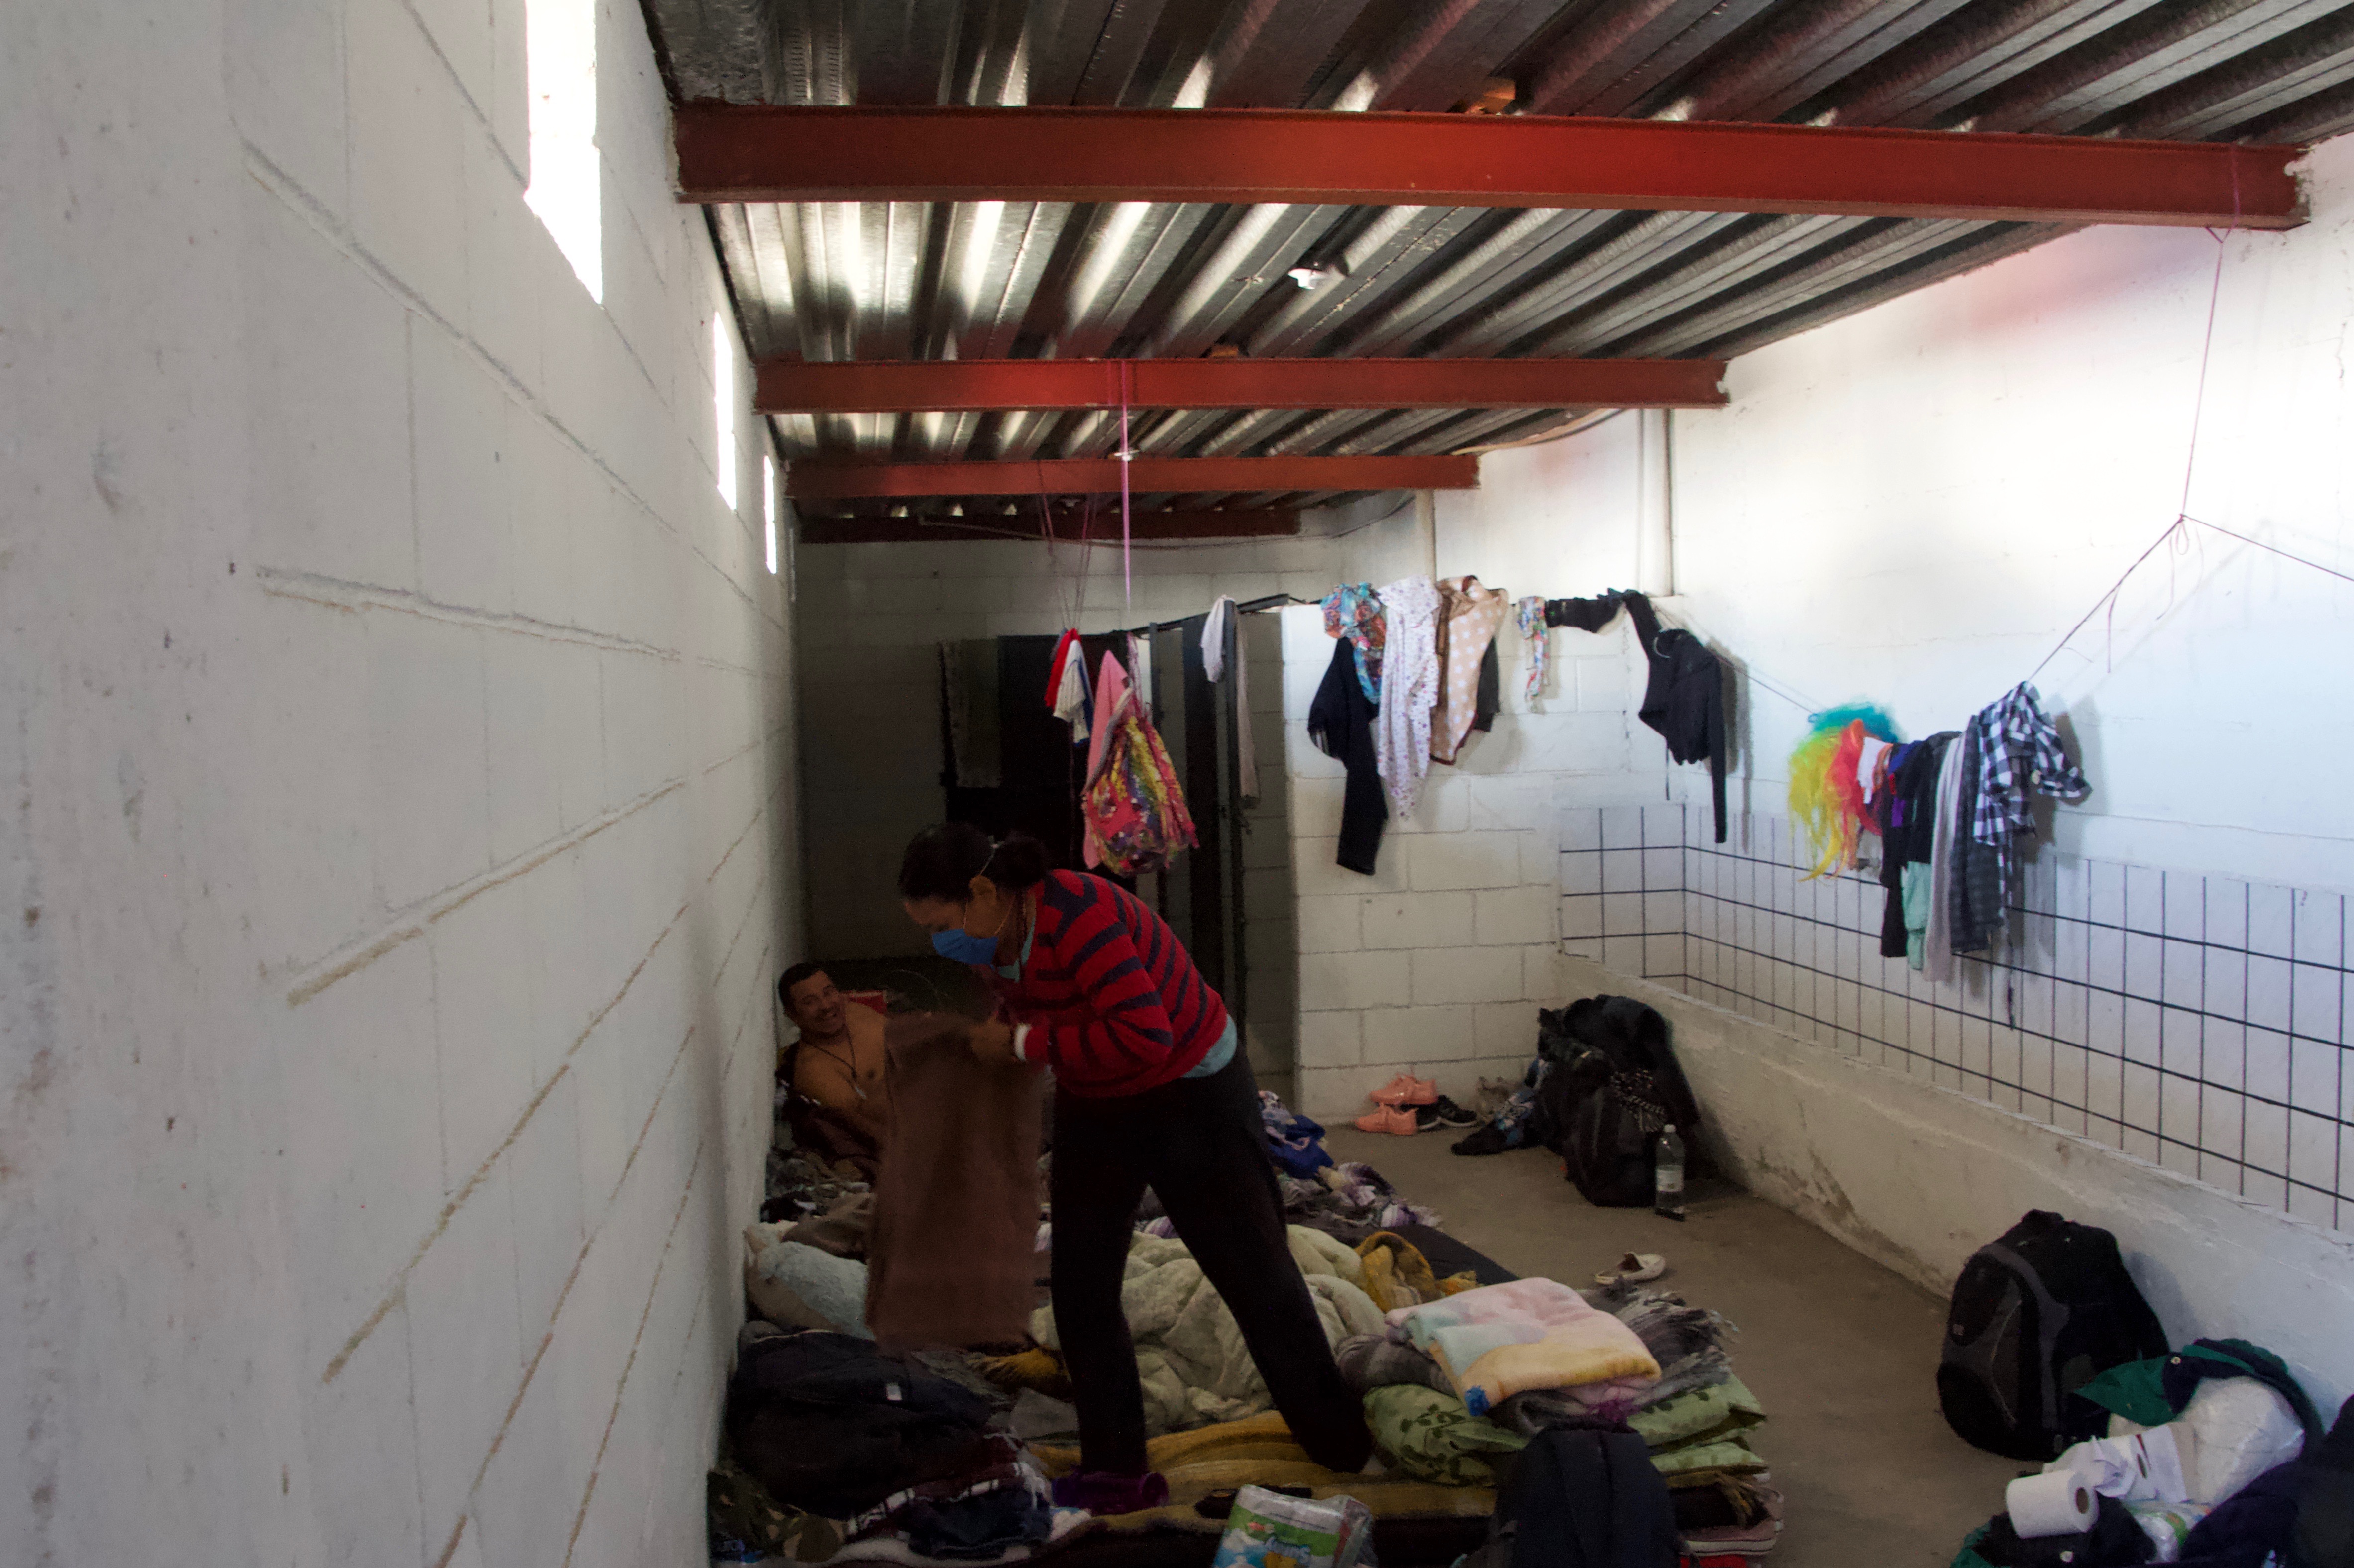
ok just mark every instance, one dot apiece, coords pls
pixel 1127 578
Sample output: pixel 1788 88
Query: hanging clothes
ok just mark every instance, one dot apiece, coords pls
pixel 1684 699
pixel 1904 814
pixel 1221 615
pixel 1409 685
pixel 1489 701
pixel 1585 614
pixel 2019 750
pixel 969 704
pixel 1470 617
pixel 1356 612
pixel 1529 615
pixel 1936 937
pixel 1071 703
pixel 1133 807
pixel 1140 668
pixel 1066 685
pixel 1341 723
pixel 1977 894
pixel 1055 663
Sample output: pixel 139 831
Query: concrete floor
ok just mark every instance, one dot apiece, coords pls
pixel 1842 1352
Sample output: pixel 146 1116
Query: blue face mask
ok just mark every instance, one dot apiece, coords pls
pixel 965 947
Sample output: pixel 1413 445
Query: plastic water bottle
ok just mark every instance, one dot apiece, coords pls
pixel 1667 1176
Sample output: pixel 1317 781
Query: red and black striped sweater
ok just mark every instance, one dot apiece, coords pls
pixel 1112 998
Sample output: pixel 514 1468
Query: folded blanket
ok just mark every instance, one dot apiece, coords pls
pixel 1702 1417
pixel 1502 1340
pixel 1531 1413
pixel 1262 1452
pixel 1430 1436
pixel 1732 1457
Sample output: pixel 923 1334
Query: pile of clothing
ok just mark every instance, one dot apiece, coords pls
pixel 2215 1456
pixel 836 1452
pixel 1452 1385
pixel 803 1182
pixel 1295 1143
pixel 1350 1201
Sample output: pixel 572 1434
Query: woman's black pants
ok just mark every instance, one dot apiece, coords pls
pixel 1200 1145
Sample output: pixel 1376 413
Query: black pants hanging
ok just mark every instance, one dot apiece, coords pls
pixel 1199 1144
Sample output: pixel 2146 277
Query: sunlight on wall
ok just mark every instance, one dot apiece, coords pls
pixel 768 507
pixel 566 174
pixel 725 457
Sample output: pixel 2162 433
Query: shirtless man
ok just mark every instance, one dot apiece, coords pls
pixel 838 1062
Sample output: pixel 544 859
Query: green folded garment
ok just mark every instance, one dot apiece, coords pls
pixel 1733 1456
pixel 1430 1436
pixel 1704 1415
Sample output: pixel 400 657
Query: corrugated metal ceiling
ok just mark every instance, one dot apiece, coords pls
pixel 988 280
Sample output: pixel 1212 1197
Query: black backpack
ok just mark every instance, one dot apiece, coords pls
pixel 1576 1498
pixel 1609 1149
pixel 828 1423
pixel 1618 1086
pixel 2036 1316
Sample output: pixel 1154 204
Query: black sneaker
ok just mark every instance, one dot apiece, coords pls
pixel 1443 1112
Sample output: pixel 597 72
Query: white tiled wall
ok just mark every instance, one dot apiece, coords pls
pixel 2195 1021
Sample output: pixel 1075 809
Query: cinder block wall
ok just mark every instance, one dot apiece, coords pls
pixel 398 740
pixel 1438 963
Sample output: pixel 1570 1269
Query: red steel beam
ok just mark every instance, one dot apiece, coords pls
pixel 1255 523
pixel 736 152
pixel 820 481
pixel 787 386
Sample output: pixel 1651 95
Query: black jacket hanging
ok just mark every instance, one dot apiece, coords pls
pixel 1585 614
pixel 1340 723
pixel 1685 698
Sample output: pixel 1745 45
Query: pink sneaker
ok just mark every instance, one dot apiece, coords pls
pixel 1389 1119
pixel 1405 1089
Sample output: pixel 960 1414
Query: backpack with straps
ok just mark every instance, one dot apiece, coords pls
pixel 1608 1147
pixel 2036 1316
pixel 1618 1085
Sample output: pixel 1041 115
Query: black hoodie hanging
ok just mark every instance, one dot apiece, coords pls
pixel 1340 723
pixel 1685 699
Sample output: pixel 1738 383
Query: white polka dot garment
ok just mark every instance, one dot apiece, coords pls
pixel 1409 685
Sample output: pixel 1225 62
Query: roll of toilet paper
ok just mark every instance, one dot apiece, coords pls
pixel 2057 1502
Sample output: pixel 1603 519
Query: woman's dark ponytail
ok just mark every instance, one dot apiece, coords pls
pixel 943 861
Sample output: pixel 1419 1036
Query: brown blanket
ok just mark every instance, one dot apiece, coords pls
pixel 950 1259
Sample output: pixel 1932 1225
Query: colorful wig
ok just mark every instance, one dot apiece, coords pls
pixel 1826 797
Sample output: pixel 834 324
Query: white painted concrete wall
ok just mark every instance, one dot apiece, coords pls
pixel 398 735
pixel 870 618
pixel 1913 506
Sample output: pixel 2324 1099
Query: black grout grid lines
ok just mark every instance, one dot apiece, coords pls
pixel 2196 1022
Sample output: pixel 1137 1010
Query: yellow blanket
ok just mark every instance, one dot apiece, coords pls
pixel 1261 1452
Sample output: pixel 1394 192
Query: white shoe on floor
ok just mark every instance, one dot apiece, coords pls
pixel 1634 1268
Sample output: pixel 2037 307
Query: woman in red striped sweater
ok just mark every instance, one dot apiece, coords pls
pixel 1151 1089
